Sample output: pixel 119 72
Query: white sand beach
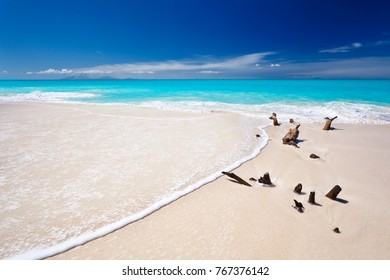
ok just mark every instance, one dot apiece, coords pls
pixel 226 220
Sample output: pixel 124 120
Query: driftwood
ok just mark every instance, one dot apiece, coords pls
pixel 291 120
pixel 328 123
pixel 238 179
pixel 258 135
pixel 336 230
pixel 291 137
pixel 273 117
pixel 314 156
pixel 299 206
pixel 265 179
pixel 298 188
pixel 332 194
pixel 312 199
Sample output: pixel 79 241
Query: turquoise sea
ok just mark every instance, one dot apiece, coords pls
pixel 226 91
pixel 363 101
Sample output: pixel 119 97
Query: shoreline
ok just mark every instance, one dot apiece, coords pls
pixel 140 114
pixel 225 220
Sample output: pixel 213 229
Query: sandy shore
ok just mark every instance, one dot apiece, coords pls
pixel 221 220
pixel 225 220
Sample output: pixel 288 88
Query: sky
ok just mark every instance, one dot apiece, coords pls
pixel 195 39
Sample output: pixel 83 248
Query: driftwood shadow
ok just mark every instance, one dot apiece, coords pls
pixel 300 210
pixel 343 201
pixel 268 185
pixel 316 204
pixel 335 128
pixel 236 179
pixel 301 193
pixel 237 182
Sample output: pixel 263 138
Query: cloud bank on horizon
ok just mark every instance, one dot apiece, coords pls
pixel 255 65
pixel 186 68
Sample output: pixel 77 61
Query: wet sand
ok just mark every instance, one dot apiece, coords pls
pixel 68 170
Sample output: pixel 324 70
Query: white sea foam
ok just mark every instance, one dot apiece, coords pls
pixel 41 253
pixel 347 112
pixel 47 96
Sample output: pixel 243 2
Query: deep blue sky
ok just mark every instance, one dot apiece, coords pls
pixel 48 39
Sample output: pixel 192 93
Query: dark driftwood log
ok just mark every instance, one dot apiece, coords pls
pixel 273 117
pixel 238 179
pixel 332 194
pixel 291 137
pixel 299 206
pixel 336 230
pixel 314 156
pixel 328 123
pixel 312 198
pixel 298 188
pixel 258 135
pixel 265 179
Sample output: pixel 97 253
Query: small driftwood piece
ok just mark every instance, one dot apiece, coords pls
pixel 265 179
pixel 298 188
pixel 314 156
pixel 312 198
pixel 291 120
pixel 336 230
pixel 299 206
pixel 237 178
pixel 258 135
pixel 332 194
pixel 291 137
pixel 328 123
pixel 274 118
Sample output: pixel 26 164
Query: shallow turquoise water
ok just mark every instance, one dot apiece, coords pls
pixel 225 91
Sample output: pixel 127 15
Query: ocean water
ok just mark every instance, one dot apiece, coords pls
pixel 40 192
pixel 361 101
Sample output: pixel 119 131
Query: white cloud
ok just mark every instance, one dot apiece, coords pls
pixel 357 45
pixel 168 68
pixel 208 72
pixel 343 49
pixel 247 66
pixel 142 72
pixel 182 65
pixel 52 71
pixel 91 71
